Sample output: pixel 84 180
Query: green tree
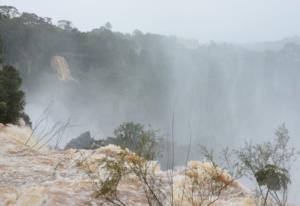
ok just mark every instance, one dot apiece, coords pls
pixel 9 11
pixel 134 137
pixel 11 97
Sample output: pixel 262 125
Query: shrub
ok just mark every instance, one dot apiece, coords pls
pixel 268 165
pixel 134 137
pixel 273 177
pixel 128 164
pixel 128 135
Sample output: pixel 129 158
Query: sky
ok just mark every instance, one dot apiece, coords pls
pixel 236 21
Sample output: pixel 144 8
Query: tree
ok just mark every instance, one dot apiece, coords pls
pixel 128 135
pixel 108 26
pixel 30 18
pixel 134 137
pixel 9 11
pixel 268 165
pixel 11 97
pixel 65 24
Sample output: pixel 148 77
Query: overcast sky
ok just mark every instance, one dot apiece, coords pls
pixel 204 20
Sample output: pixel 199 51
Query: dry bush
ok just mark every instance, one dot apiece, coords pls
pixel 111 171
pixel 201 183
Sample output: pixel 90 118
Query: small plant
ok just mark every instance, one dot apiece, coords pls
pixel 123 164
pixel 203 183
pixel 268 165
pixel 107 187
pixel 209 180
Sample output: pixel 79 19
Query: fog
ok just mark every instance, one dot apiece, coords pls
pixel 220 94
pixel 204 20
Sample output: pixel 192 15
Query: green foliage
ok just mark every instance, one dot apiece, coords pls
pixel 278 152
pixel 268 164
pixel 113 169
pixel 11 97
pixel 116 171
pixel 273 177
pixel 134 137
pixel 8 12
pixel 128 135
pixel 112 61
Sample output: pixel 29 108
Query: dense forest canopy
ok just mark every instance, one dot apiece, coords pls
pixel 216 91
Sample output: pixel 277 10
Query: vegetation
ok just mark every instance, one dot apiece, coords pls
pixel 137 67
pixel 203 183
pixel 132 136
pixel 274 179
pixel 126 163
pixel 11 97
pixel 268 165
pixel 144 74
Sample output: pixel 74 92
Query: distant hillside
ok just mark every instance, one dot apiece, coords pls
pixel 102 78
pixel 273 45
pixel 33 177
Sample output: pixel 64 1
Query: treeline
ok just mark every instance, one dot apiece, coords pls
pixel 135 67
pixel 145 77
pixel 31 41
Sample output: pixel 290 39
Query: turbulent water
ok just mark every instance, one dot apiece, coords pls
pixel 31 177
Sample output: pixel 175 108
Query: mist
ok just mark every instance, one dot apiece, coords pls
pixel 204 20
pixel 220 95
pixel 238 87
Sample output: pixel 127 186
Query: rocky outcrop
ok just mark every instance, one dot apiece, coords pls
pixel 32 177
pixel 84 141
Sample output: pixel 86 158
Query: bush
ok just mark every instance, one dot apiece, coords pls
pixel 128 135
pixel 11 97
pixel 134 137
pixel 273 177
pixel 268 165
pixel 126 163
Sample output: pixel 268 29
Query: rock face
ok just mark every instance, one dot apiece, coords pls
pixel 84 141
pixel 32 177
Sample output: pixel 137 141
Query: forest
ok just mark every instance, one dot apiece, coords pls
pixel 175 94
pixel 147 77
